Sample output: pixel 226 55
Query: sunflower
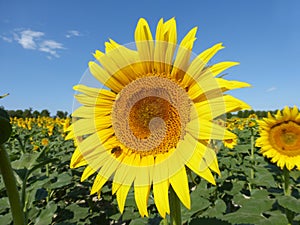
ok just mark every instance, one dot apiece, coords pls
pixel 230 143
pixel 153 116
pixel 280 138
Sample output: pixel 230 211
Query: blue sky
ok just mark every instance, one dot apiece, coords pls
pixel 45 46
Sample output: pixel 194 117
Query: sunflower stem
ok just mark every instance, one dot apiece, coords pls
pixel 175 208
pixel 252 161
pixel 287 192
pixel 11 187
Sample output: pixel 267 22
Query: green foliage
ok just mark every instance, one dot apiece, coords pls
pixel 249 190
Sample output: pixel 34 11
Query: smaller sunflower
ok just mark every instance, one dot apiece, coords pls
pixel 230 143
pixel 280 138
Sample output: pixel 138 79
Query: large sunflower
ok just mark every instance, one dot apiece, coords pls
pixel 153 117
pixel 280 138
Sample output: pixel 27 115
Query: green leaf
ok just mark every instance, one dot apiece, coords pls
pixel 208 221
pixel 5 126
pixel 197 204
pixel 6 219
pixel 78 212
pixel 63 179
pixel 4 204
pixel 27 160
pixel 245 218
pixel 264 179
pixel 277 218
pixel 217 210
pixel 244 148
pixel 290 203
pixel 46 214
pixel 139 221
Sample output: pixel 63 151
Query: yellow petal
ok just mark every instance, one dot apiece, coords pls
pixel 88 171
pixel 141 195
pixel 161 199
pixel 226 85
pixel 127 169
pixel 98 183
pixel 77 159
pixel 104 77
pixel 121 196
pixel 180 185
pixel 125 59
pixel 218 106
pixel 144 44
pixel 196 67
pixel 92 101
pixel 165 45
pixel 83 127
pixel 220 67
pixel 195 160
pixel 206 130
pixel 91 112
pixel 183 54
pixel 109 167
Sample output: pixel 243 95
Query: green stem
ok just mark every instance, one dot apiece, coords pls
pixel 286 178
pixel 287 192
pixel 175 209
pixel 165 221
pixel 252 162
pixel 11 187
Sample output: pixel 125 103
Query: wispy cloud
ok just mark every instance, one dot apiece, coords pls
pixel 34 40
pixel 271 89
pixel 7 39
pixel 28 38
pixel 72 33
pixel 50 47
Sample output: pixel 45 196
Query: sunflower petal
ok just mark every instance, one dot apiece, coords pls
pixel 145 44
pixel 180 185
pixel 161 199
pixel 183 54
pixel 98 183
pixel 197 65
pixel 141 195
pixel 121 196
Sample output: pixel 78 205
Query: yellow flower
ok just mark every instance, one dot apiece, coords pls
pixel 153 121
pixel 280 138
pixel 35 147
pixel 45 141
pixel 230 143
pixel 251 124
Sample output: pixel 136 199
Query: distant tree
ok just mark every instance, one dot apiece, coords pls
pixel 228 115
pixel 45 113
pixel 27 113
pixel 19 113
pixel 240 114
pixel 61 114
pixel 35 114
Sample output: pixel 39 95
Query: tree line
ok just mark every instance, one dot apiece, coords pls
pixel 30 113
pixel 247 113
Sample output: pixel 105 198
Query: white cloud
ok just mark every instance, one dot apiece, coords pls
pixel 35 40
pixel 7 39
pixel 50 47
pixel 72 33
pixel 28 38
pixel 271 89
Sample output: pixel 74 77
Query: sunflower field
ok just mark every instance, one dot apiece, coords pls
pixel 250 189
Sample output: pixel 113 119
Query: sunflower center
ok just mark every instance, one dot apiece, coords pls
pixel 150 114
pixel 286 137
